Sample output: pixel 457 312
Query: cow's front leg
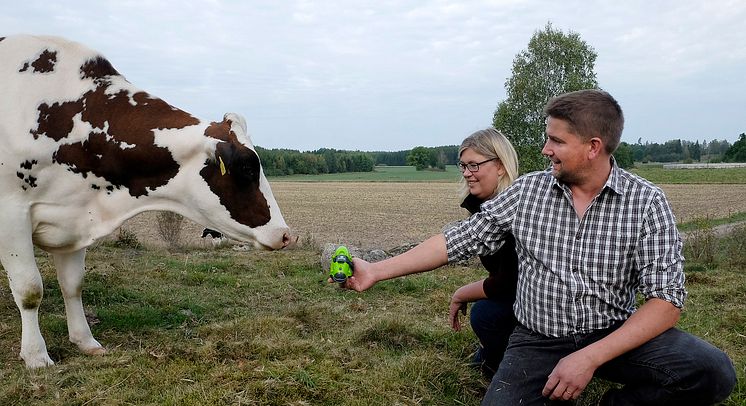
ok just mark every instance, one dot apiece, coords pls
pixel 70 272
pixel 26 285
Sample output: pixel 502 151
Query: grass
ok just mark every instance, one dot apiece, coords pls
pixel 702 223
pixel 653 173
pixel 228 327
pixel 657 174
pixel 221 326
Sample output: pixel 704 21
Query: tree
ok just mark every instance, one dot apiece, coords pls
pixel 419 157
pixel 624 157
pixel 696 151
pixel 554 63
pixel 737 151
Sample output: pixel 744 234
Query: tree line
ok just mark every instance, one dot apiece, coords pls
pixel 682 151
pixel 280 162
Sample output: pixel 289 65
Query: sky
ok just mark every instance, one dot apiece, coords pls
pixel 388 75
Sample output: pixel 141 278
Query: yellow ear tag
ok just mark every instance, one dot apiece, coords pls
pixel 222 166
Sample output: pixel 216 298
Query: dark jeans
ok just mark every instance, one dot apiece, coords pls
pixel 492 321
pixel 675 368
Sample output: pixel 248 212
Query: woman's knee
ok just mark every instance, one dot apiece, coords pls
pixel 490 312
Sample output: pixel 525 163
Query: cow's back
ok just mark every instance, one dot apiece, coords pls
pixel 34 70
pixel 65 104
pixel 76 137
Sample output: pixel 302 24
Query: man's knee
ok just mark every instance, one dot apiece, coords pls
pixel 708 377
pixel 716 369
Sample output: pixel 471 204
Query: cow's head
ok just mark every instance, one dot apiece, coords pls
pixel 234 174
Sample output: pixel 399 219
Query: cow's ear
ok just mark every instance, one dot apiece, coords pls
pixel 238 123
pixel 225 152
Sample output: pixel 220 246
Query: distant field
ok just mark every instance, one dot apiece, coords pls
pixel 380 174
pixel 653 173
pixel 657 174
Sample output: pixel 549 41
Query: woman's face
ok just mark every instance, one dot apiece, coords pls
pixel 483 182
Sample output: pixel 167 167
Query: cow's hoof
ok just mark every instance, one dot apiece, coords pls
pixel 95 351
pixel 37 360
pixel 89 346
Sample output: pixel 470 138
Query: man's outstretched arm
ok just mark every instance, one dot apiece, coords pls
pixel 428 255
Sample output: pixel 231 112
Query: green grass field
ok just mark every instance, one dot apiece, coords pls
pixel 657 174
pixel 653 173
pixel 379 174
pixel 209 327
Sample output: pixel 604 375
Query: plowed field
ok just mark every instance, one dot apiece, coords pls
pixel 385 215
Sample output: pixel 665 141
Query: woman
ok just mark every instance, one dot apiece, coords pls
pixel 489 165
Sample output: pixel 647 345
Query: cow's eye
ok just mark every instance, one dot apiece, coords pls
pixel 244 169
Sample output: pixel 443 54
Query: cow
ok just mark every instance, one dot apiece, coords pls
pixel 215 236
pixel 208 232
pixel 82 150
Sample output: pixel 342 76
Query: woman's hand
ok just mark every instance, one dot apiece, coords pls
pixel 461 297
pixel 456 306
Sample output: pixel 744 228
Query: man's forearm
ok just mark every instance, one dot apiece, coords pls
pixel 428 255
pixel 649 321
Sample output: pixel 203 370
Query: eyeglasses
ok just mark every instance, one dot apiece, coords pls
pixel 472 167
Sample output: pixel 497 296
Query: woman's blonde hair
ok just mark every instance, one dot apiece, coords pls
pixel 492 144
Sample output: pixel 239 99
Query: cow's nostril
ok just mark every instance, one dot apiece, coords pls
pixel 288 240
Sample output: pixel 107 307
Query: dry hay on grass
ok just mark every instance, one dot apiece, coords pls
pixel 386 215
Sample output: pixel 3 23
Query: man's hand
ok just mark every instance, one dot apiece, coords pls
pixel 572 373
pixel 362 277
pixel 570 377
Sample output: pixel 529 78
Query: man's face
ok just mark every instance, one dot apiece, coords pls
pixel 568 153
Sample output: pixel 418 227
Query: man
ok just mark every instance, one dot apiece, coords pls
pixel 589 236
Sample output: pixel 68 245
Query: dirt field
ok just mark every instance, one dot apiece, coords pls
pixel 387 215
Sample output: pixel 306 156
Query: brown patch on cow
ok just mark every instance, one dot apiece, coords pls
pixel 137 169
pixel 139 166
pixel 43 64
pixel 56 121
pixel 27 178
pixel 97 68
pixel 221 131
pixel 29 164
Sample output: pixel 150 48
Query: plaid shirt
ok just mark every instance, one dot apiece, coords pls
pixel 577 275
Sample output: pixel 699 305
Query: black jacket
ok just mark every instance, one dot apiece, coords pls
pixel 502 265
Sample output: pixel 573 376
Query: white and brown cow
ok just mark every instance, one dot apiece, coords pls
pixel 82 150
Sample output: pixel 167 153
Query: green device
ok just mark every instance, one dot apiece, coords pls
pixel 341 265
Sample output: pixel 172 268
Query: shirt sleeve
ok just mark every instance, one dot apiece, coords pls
pixel 483 232
pixel 659 255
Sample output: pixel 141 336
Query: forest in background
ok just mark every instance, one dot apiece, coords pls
pixel 279 162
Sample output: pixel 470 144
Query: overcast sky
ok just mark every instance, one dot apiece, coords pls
pixel 392 75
